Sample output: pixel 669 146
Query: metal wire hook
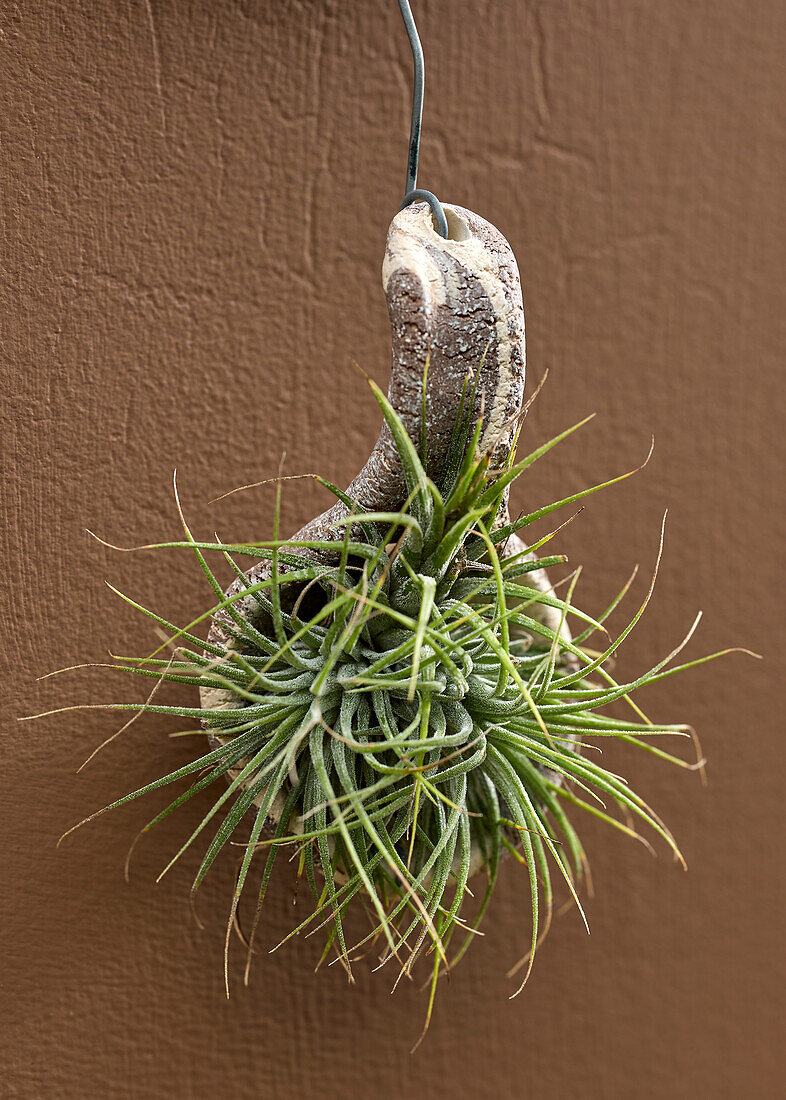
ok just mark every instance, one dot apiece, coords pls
pixel 412 192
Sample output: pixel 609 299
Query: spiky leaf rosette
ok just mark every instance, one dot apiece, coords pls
pixel 398 711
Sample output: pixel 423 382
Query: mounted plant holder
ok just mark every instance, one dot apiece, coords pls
pixel 395 694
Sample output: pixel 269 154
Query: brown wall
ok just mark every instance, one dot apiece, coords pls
pixel 194 203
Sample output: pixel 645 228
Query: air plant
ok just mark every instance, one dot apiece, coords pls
pixel 396 711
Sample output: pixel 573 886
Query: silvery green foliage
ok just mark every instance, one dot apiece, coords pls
pixel 403 714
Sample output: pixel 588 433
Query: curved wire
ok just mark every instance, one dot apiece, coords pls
pixel 412 193
pixel 419 195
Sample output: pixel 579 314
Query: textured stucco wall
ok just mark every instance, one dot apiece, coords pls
pixel 194 198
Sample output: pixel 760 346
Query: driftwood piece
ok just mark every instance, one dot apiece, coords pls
pixel 457 302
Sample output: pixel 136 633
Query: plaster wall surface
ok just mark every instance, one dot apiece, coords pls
pixel 193 205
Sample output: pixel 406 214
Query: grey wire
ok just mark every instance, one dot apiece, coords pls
pixel 412 192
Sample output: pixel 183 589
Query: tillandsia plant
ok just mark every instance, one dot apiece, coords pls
pixel 405 719
pixel 395 693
